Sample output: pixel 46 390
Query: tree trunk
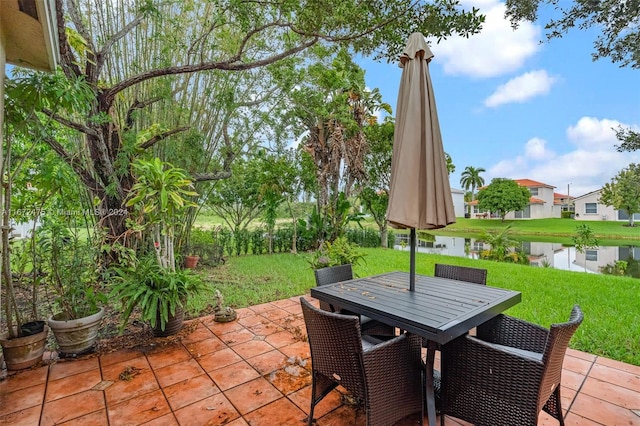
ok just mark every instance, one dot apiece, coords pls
pixel 384 236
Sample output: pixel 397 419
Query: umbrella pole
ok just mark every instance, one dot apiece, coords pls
pixel 412 260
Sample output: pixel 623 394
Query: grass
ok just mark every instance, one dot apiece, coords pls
pixel 612 317
pixel 606 230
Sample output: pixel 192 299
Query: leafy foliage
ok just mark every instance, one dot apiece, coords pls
pixel 623 192
pixel 154 289
pixel 503 247
pixel 340 252
pixel 503 196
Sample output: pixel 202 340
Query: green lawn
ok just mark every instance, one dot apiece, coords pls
pixel 612 314
pixel 605 230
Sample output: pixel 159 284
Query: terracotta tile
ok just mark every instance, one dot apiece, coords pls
pixel 218 359
pixel 24 379
pixel 166 420
pixel 302 398
pixel 237 422
pixel 265 307
pixel 252 395
pixel 72 384
pixel 602 412
pixel 178 372
pixel 577 365
pixel 633 369
pixel 112 371
pixel 296 350
pixel 119 356
pixel 284 303
pixel 279 412
pixel 582 355
pixel 138 410
pixel 282 338
pixel 237 337
pixel 167 355
pixel 267 362
pixel 122 390
pixel 266 328
pixel 97 418
pixel 215 410
pixel 609 392
pixel 252 348
pixel 243 312
pixel 575 420
pixel 343 415
pixel 206 346
pixel 189 391
pixel 66 368
pixel 222 328
pixel 21 399
pixel 290 378
pixel 26 417
pixel 252 320
pixel 56 412
pixel 572 380
pixel 276 313
pixel 200 333
pixel 616 376
pixel 233 375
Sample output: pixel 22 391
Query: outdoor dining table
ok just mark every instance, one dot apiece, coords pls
pixel 439 310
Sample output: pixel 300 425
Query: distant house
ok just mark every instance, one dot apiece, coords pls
pixel 458 201
pixel 588 207
pixel 564 201
pixel 542 203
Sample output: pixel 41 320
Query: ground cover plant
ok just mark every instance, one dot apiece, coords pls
pixel 612 318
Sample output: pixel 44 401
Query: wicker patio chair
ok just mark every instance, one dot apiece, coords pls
pixel 334 274
pixel 461 273
pixel 508 373
pixel 385 377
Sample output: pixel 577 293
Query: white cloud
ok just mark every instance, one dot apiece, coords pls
pixel 592 163
pixel 497 50
pixel 590 132
pixel 521 88
pixel 535 149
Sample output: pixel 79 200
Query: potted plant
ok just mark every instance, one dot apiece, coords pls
pixel 72 275
pixel 24 342
pixel 158 200
pixel 160 294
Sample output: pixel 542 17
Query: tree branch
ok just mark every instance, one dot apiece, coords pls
pixel 75 164
pixel 230 65
pixel 136 105
pixel 68 61
pixel 107 46
pixel 71 124
pixel 157 138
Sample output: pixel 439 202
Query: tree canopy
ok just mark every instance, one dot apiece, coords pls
pixel 503 196
pixel 623 192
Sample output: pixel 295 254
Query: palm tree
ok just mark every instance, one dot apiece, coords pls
pixel 470 178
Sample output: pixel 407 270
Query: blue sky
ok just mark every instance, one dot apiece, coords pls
pixel 524 109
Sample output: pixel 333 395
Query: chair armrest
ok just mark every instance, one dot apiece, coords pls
pixel 509 331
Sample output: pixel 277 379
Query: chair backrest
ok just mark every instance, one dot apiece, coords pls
pixel 336 347
pixel 554 352
pixel 461 273
pixel 330 275
pixel 333 274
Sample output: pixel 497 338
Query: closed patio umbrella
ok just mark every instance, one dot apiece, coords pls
pixel 419 194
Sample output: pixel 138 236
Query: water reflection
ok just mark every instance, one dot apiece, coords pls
pixel 554 255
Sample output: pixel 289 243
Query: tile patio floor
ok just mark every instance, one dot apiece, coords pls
pixel 253 371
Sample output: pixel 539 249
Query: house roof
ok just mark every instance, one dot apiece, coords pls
pixel 532 183
pixel 587 194
pixel 30 33
pixel 532 200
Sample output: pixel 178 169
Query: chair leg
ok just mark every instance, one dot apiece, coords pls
pixel 327 385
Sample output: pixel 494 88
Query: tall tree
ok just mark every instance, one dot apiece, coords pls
pixel 623 192
pixel 618 22
pixel 471 179
pixel 375 193
pixel 133 53
pixel 503 196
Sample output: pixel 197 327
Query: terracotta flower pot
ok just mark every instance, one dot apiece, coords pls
pixel 75 336
pixel 191 261
pixel 23 352
pixel 173 325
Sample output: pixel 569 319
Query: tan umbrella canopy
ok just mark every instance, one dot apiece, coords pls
pixel 420 195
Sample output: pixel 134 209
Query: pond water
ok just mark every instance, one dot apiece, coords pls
pixel 554 255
